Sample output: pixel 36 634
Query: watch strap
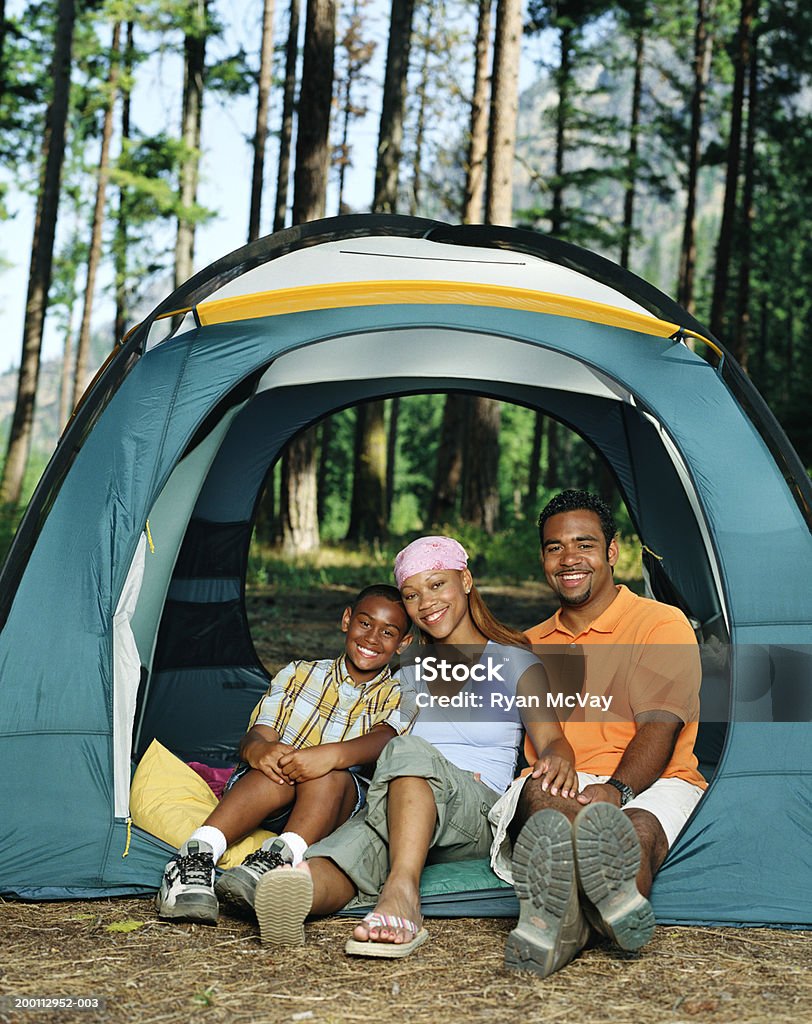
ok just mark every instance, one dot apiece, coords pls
pixel 626 792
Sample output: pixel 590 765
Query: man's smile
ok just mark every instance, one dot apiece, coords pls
pixel 571 578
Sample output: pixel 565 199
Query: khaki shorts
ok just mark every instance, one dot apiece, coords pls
pixel 360 847
pixel 671 801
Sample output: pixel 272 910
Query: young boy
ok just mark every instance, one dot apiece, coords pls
pixel 318 720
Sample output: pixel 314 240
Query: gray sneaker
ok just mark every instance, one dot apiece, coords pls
pixel 237 887
pixel 187 888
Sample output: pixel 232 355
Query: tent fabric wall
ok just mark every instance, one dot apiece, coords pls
pixel 56 698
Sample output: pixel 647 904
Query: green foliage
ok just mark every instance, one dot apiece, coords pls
pixel 24 82
pixel 10 515
pixel 231 76
pixel 9 518
pixel 418 434
pixel 510 557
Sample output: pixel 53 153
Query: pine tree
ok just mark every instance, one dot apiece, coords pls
pixel 194 73
pixel 703 46
pixel 42 249
pixel 95 247
pixel 261 127
pixel 299 487
pixel 390 134
pixel 286 127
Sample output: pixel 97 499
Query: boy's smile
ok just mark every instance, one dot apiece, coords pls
pixel 376 630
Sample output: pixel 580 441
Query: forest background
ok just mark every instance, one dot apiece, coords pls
pixel 672 136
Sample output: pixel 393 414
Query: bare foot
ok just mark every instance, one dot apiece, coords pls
pixel 398 900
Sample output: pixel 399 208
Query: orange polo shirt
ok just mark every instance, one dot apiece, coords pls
pixel 638 656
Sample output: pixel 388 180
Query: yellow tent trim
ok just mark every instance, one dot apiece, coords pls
pixel 387 293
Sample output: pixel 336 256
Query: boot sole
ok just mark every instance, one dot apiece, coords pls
pixel 282 902
pixel 607 856
pixel 551 929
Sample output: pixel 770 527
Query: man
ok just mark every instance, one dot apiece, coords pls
pixel 590 859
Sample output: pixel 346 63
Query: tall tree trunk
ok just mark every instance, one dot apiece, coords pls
pixel 286 129
pixel 478 142
pixel 741 337
pixel 451 452
pixel 325 454
pixel 631 160
pixel 368 506
pixel 724 247
pixel 449 467
pixel 552 473
pixel 563 78
pixel 534 474
pixel 358 53
pixel 346 108
pixel 391 455
pixel 368 510
pixel 504 111
pixel 315 99
pixel 298 497
pixel 390 136
pixel 480 499
pixel 65 375
pixel 299 489
pixel 420 127
pixel 121 236
pixel 266 517
pixel 194 68
pixel 80 379
pixel 42 250
pixel 480 496
pixel 261 128
pixel 703 43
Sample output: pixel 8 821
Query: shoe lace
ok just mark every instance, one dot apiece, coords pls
pixel 196 868
pixel 265 860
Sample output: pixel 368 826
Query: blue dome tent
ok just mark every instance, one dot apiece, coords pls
pixel 108 640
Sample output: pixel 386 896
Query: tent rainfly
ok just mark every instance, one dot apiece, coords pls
pixel 106 643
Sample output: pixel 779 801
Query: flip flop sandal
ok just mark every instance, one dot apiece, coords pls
pixel 387 950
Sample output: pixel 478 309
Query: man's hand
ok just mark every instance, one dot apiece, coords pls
pixel 311 763
pixel 599 792
pixel 557 775
pixel 266 758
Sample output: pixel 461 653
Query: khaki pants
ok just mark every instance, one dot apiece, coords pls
pixel 360 847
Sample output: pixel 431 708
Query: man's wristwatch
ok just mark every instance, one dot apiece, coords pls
pixel 626 792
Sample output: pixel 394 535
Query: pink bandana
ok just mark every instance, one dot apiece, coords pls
pixel 428 553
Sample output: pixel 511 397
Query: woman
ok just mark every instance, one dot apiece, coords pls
pixel 432 790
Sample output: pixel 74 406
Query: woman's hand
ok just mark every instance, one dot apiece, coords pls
pixel 557 775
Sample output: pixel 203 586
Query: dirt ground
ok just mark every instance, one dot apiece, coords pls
pixel 144 970
pixel 150 972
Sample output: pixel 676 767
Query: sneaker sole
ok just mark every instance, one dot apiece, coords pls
pixel 234 891
pixel 551 929
pixel 607 856
pixel 198 909
pixel 282 902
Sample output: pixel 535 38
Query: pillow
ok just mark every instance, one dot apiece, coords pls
pixel 169 800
